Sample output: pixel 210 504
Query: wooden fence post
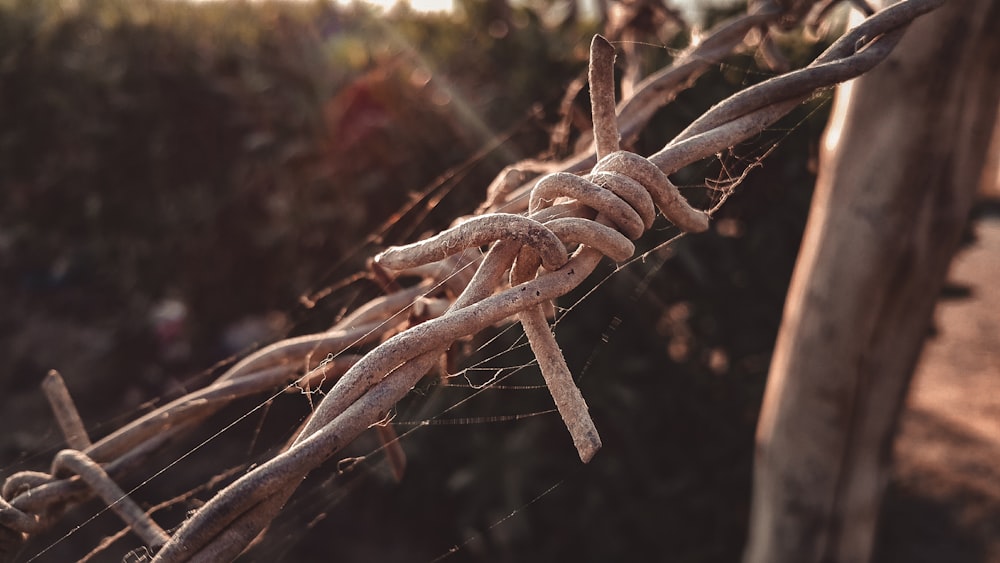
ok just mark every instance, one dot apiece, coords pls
pixel 902 158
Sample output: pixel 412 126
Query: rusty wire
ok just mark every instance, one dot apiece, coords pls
pixel 530 227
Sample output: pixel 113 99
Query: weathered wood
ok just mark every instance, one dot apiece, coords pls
pixel 902 159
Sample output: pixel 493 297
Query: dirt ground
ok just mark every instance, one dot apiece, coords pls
pixel 944 498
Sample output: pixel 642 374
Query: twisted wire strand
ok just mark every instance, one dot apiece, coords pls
pixel 526 267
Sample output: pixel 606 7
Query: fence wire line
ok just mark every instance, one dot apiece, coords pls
pixel 531 227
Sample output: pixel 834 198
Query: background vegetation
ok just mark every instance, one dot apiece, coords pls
pixel 180 182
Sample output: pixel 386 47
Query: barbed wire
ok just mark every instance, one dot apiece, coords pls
pixel 530 227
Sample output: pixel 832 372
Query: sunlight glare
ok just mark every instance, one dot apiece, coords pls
pixel 416 5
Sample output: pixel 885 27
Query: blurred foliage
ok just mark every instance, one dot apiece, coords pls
pixel 234 156
pixel 227 154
